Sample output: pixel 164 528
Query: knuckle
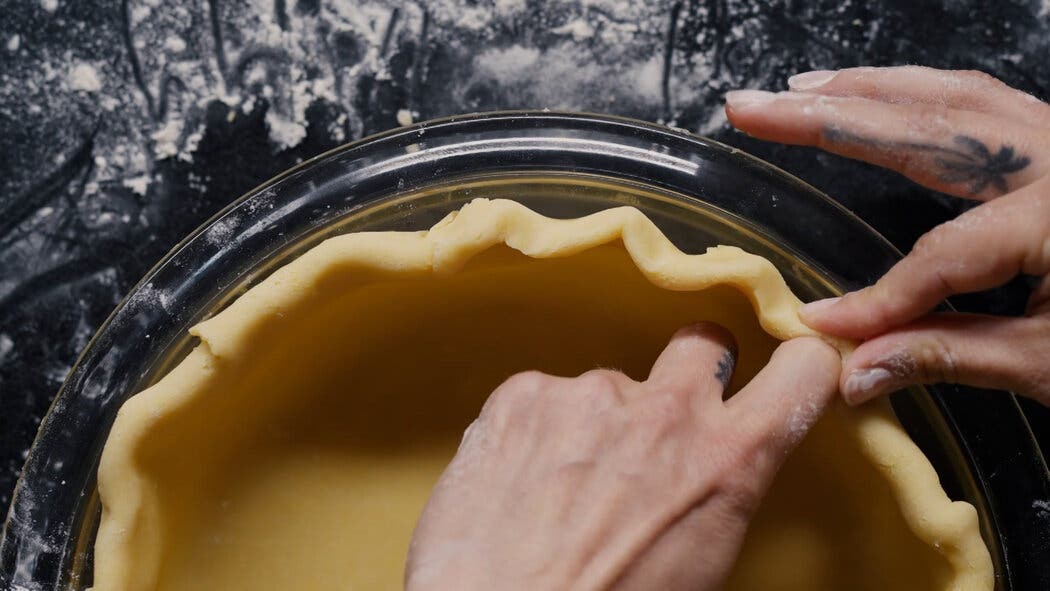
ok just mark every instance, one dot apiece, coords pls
pixel 931 243
pixel 600 380
pixel 1033 374
pixel 882 303
pixel 517 391
pixel 928 117
pixel 499 406
pixel 931 254
pixel 597 376
pixel 979 77
pixel 600 388
pixel 526 381
pixel 927 242
pixel 935 362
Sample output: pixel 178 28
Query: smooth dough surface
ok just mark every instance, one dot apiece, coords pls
pixel 294 447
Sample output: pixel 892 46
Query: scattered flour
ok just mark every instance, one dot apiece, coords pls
pixel 509 64
pixel 579 29
pixel 647 77
pixel 601 59
pixel 222 230
pixel 149 296
pixel 138 184
pixel 140 13
pixel 6 345
pixel 283 131
pixel 167 137
pixel 715 123
pixel 174 44
pixel 801 419
pixel 84 77
pixel 505 8
pixel 564 77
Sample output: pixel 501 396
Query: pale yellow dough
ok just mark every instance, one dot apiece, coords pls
pixel 295 446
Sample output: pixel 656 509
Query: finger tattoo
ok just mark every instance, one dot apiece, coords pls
pixel 726 364
pixel 968 161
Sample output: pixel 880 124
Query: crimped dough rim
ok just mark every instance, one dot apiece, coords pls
pixel 952 528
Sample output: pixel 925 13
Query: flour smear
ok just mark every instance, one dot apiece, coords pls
pixel 150 105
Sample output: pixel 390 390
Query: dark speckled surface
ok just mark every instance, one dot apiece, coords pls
pixel 185 105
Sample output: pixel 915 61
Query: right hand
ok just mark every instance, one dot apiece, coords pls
pixel 963 133
pixel 601 482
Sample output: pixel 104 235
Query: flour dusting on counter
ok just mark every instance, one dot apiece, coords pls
pixel 84 77
pixel 278 61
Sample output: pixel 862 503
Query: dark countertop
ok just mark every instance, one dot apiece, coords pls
pixel 125 125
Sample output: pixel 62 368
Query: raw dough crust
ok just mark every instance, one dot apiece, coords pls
pixel 293 448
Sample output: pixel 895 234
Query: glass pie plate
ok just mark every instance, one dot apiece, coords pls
pixel 699 192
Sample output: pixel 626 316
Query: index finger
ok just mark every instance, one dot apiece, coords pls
pixel 791 392
pixel 967 90
pixel 983 248
pixel 962 153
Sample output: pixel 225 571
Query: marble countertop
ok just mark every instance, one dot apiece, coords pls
pixel 124 125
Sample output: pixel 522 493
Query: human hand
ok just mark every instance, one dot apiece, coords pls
pixel 601 482
pixel 962 133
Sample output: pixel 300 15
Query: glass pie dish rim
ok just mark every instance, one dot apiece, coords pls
pixel 408 132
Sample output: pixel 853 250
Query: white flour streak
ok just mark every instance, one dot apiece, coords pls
pixel 138 184
pixel 801 419
pixel 6 345
pixel 579 29
pixel 84 77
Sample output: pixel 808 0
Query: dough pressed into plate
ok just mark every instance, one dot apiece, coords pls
pixel 294 447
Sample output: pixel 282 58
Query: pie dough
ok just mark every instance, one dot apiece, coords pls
pixel 294 447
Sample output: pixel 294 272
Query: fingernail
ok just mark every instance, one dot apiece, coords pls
pixel 864 384
pixel 747 99
pixel 808 80
pixel 813 309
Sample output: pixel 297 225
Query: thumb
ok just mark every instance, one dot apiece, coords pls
pixel 971 349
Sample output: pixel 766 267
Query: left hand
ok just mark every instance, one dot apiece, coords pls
pixel 601 482
pixel 963 133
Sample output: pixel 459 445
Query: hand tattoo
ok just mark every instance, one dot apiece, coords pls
pixel 969 162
